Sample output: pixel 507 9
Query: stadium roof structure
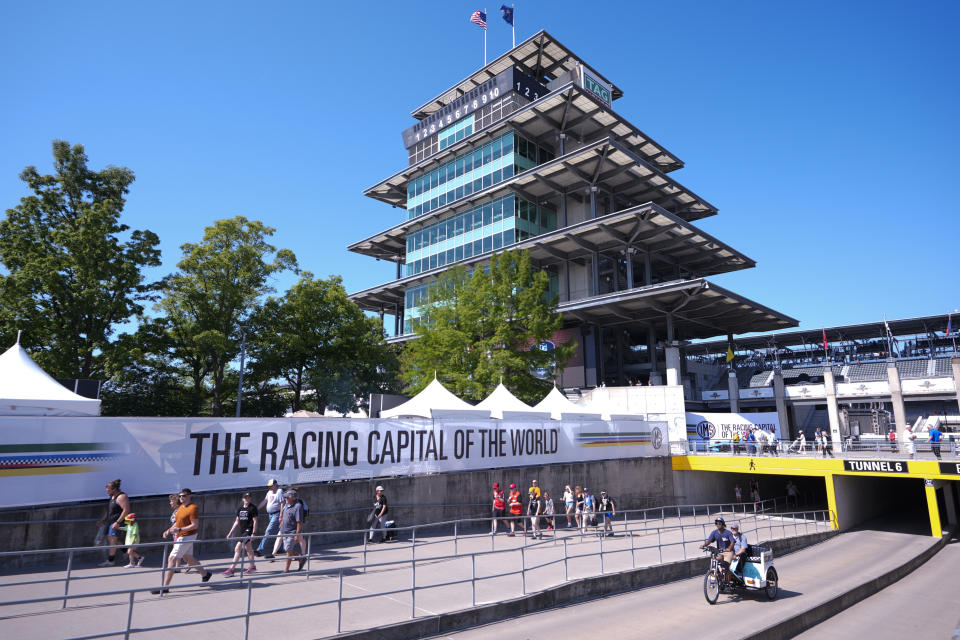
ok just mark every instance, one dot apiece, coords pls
pixel 541 55
pixel 923 325
pixel 646 227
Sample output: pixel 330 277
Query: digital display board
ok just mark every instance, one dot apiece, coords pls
pixel 475 99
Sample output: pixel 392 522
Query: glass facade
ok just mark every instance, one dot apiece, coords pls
pixel 487 227
pixel 494 162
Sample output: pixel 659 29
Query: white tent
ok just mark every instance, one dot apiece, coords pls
pixel 559 406
pixel 501 401
pixel 435 398
pixel 27 390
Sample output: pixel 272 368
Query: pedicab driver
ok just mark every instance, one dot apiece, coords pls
pixel 724 539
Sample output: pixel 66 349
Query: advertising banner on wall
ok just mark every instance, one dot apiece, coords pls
pixel 722 426
pixel 55 460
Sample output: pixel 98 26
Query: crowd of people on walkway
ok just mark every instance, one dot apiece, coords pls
pixel 581 507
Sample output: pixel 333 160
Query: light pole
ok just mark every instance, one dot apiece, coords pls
pixel 243 354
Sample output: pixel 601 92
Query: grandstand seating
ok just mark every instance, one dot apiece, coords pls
pixel 867 371
pixel 913 368
pixel 943 367
pixel 762 379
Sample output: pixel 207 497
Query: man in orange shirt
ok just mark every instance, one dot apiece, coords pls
pixel 184 531
pixel 516 510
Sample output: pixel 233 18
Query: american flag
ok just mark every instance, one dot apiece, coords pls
pixel 479 18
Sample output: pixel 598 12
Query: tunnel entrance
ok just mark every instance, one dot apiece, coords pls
pixel 885 504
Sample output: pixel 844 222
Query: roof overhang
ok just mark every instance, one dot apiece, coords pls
pixel 541 55
pixel 569 109
pixel 643 228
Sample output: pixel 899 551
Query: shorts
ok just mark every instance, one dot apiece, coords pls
pixel 289 541
pixel 244 537
pixel 498 513
pixel 608 516
pixel 727 556
pixel 515 511
pixel 114 532
pixel 183 546
pixel 569 505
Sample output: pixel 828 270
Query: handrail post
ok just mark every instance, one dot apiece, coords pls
pixel 683 543
pixel 339 599
pixel 601 553
pixel 413 581
pixel 473 577
pixel 246 618
pixel 633 556
pixel 166 561
pixel 126 631
pixel 309 541
pixel 455 547
pixel 66 583
pixel 659 547
pixel 523 570
pixel 364 552
pixel 566 574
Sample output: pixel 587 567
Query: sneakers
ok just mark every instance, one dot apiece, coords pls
pixel 302 562
pixel 140 561
pixel 206 577
pixel 160 592
pixel 510 535
pixel 107 563
pixel 130 566
pixel 268 556
pixel 228 573
pixel 257 553
pixel 249 570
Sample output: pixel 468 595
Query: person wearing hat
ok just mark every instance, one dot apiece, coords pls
pixel 908 439
pixel 132 528
pixel 724 540
pixel 740 550
pixel 378 517
pixel 499 507
pixel 534 510
pixel 291 524
pixel 246 523
pixel 273 501
pixel 609 509
pixel 589 509
pixel 516 510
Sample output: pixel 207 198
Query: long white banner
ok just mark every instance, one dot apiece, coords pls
pixel 54 460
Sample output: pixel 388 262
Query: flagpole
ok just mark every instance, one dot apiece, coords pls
pixel 484 40
pixel 513 25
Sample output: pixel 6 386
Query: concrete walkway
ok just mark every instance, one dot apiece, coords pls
pixel 679 610
pixel 924 604
pixel 388 569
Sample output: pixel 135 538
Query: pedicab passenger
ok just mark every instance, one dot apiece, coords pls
pixel 741 550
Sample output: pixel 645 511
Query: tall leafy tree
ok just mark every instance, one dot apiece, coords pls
pixel 478 329
pixel 315 338
pixel 219 283
pixel 72 272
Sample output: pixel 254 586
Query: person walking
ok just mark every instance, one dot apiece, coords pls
pixel 245 525
pixel 291 525
pixel 792 494
pixel 589 510
pixel 803 442
pixel 548 511
pixel 738 493
pixel 184 531
pixel 609 510
pixel 534 511
pixel 516 510
pixel 818 438
pixel 569 504
pixel 933 437
pixel 132 530
pixel 736 443
pixel 892 437
pixel 273 502
pixel 578 499
pixel 117 509
pixel 909 444
pixel 379 514
pixel 499 507
pixel 827 444
pixel 535 487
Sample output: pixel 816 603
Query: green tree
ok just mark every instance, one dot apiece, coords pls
pixel 73 271
pixel 315 338
pixel 219 283
pixel 478 329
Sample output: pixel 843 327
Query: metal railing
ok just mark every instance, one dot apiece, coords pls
pixel 790 523
pixel 948 450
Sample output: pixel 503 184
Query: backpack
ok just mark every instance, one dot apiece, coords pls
pixel 306 509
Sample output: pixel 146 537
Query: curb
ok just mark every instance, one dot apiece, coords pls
pixel 575 591
pixel 813 616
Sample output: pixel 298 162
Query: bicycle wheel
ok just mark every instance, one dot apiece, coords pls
pixel 773 584
pixel 711 587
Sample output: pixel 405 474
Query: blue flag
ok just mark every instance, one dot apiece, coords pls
pixel 507 14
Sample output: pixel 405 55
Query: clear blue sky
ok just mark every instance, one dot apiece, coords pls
pixel 825 132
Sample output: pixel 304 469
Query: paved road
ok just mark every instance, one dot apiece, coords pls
pixel 388 569
pixel 679 610
pixel 925 604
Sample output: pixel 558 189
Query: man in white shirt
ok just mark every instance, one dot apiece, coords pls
pixel 273 501
pixel 909 446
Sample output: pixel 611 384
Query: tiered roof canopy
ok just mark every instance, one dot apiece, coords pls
pixel 540 55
